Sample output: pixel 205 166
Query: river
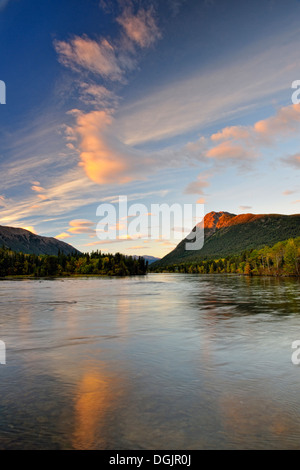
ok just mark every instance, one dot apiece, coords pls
pixel 164 361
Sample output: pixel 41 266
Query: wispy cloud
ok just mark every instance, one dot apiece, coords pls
pixel 175 6
pixel 288 192
pixel 197 187
pixel 97 57
pixel 38 189
pixel 292 160
pixel 214 94
pixel 141 27
pixel 104 157
pixel 79 226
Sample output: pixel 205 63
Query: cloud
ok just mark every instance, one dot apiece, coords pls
pixel 108 242
pixel 175 6
pixel 96 57
pixel 286 121
pixel 242 143
pixel 69 191
pixel 106 5
pixel 141 28
pixel 81 223
pixel 196 187
pixel 213 94
pixel 30 228
pixel 106 58
pixel 38 189
pixel 97 95
pixel 229 151
pixel 288 192
pixel 104 158
pixel 245 208
pixel 62 236
pixel 231 132
pixel 80 226
pixel 138 247
pixel 292 160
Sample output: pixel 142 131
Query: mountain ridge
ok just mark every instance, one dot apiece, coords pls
pixel 22 240
pixel 228 234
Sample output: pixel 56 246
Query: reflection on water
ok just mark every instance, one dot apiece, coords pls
pixel 157 362
pixel 94 400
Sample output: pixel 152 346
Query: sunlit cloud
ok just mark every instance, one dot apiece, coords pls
pixel 138 247
pixel 63 235
pixel 38 189
pixel 285 122
pixel 229 151
pixel 87 54
pixel 97 95
pixel 141 28
pixel 30 228
pixel 80 226
pixel 231 132
pixel 245 142
pixel 104 158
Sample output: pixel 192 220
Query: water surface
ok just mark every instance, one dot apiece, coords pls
pixel 165 361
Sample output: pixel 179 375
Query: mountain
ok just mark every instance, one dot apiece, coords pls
pixel 19 239
pixel 228 234
pixel 150 259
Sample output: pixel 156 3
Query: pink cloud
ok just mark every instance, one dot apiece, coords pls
pixel 229 151
pixel 38 189
pixel 141 28
pixel 286 120
pixel 243 142
pixel 97 57
pixel 231 132
pixel 103 157
pixel 30 228
pixel 80 226
pixel 63 235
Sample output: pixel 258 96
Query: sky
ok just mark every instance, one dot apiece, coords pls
pixel 161 101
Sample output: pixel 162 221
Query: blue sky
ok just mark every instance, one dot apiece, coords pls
pixel 163 101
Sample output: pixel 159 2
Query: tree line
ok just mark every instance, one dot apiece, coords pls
pixel 282 259
pixel 19 264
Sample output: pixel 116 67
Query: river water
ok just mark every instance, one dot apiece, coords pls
pixel 164 361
